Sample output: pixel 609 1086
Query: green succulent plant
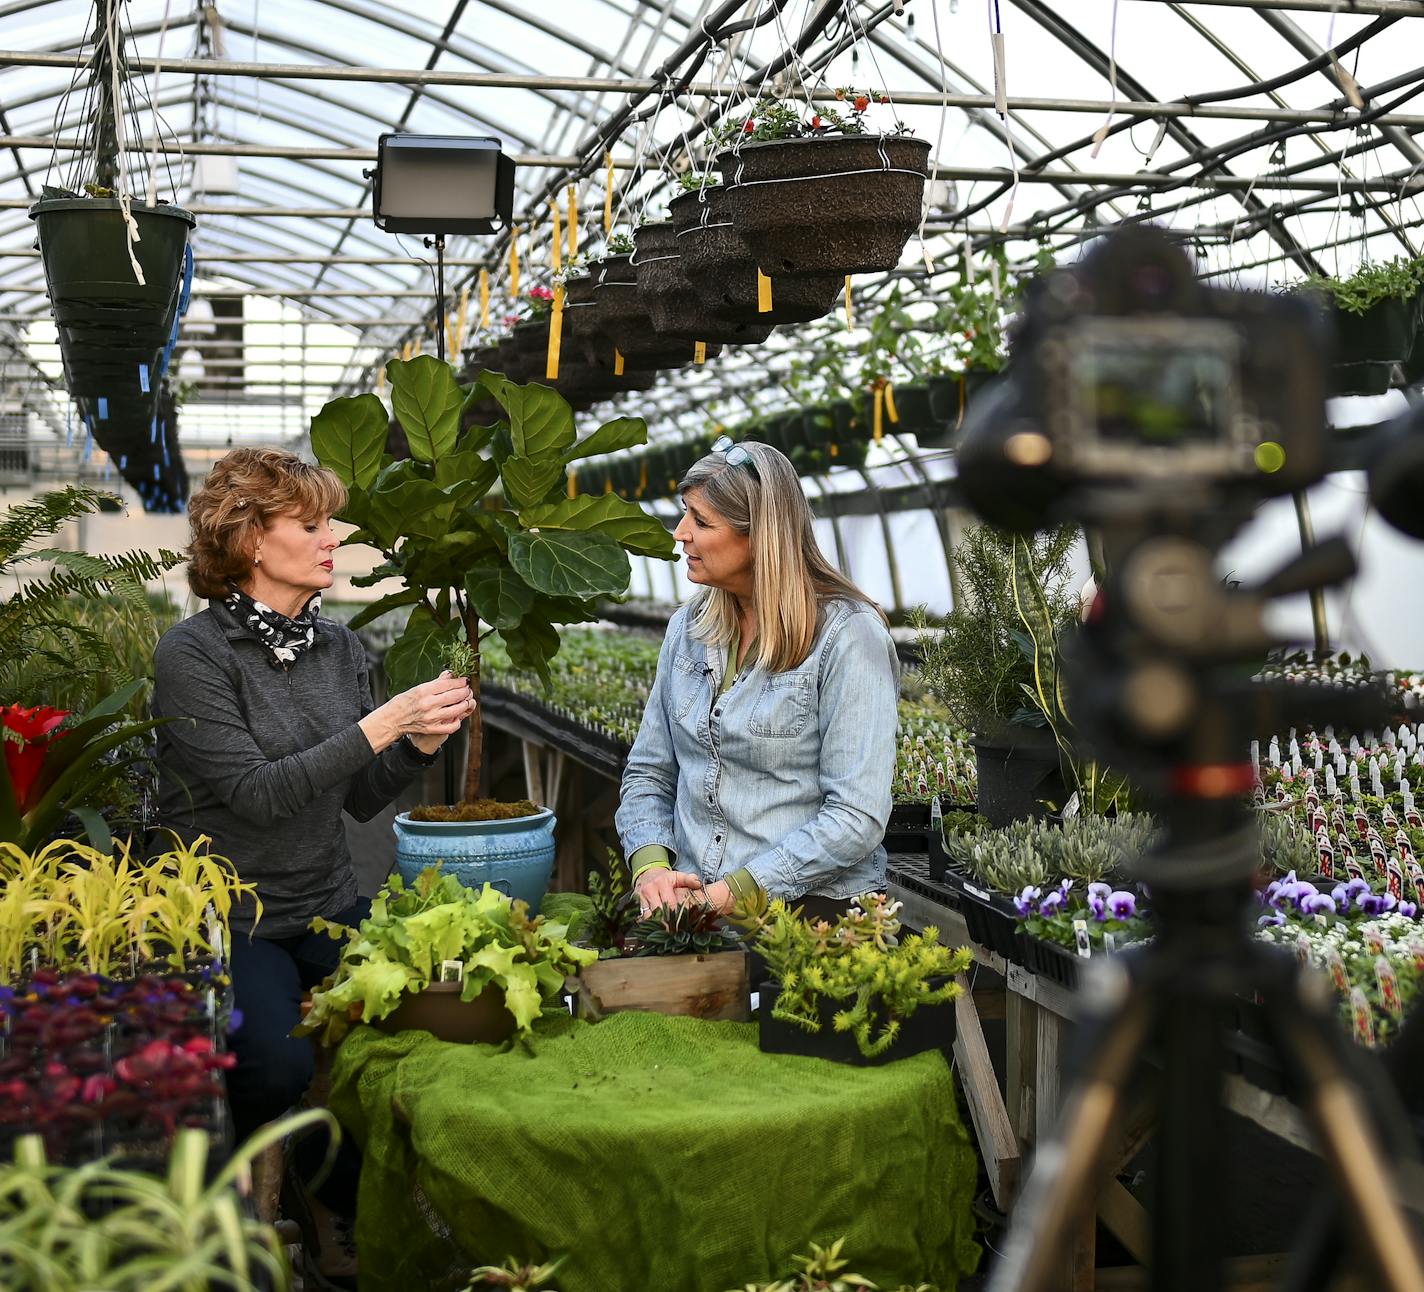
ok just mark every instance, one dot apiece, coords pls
pixel 689 929
pixel 515 1276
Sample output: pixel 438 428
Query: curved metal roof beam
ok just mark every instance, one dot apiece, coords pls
pixel 1088 53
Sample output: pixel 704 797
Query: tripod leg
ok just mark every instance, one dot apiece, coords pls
pixel 1066 1167
pixel 1347 1139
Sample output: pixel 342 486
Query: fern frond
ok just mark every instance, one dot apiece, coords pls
pixel 45 515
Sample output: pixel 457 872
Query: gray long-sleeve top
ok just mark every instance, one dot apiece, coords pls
pixel 264 760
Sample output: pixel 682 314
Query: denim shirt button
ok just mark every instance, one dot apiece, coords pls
pixel 717 838
pixel 709 798
pixel 716 713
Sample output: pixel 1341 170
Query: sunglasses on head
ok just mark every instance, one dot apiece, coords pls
pixel 737 455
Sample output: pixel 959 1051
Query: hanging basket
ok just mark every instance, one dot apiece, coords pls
pixel 1384 333
pixel 620 316
pixel 675 308
pixel 723 272
pixel 950 396
pixel 831 204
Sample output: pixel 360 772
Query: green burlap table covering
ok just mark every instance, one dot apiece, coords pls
pixel 661 1154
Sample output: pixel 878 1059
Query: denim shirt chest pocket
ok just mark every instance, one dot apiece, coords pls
pixel 687 684
pixel 783 705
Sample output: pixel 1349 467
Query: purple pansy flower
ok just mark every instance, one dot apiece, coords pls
pixel 1318 904
pixel 1051 904
pixel 1023 903
pixel 1122 905
pixel 1271 918
pixel 1409 909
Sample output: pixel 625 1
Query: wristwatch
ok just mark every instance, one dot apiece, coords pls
pixel 410 747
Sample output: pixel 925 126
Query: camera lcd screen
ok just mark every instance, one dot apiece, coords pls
pixel 1157 396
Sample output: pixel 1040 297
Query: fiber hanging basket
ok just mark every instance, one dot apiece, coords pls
pixel 620 315
pixel 674 307
pixel 722 271
pixel 830 204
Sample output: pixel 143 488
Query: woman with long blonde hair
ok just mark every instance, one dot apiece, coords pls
pixel 767 750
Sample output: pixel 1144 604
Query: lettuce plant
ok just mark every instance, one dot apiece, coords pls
pixel 410 931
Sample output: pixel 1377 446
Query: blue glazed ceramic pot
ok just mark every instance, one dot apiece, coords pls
pixel 515 856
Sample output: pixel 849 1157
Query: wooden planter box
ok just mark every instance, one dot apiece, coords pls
pixel 700 986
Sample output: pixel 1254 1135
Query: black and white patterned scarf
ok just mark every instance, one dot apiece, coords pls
pixel 285 638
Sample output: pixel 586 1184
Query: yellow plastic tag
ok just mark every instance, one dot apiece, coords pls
pixel 573 221
pixel 608 195
pixel 450 347
pixel 850 318
pixel 381 378
pixel 462 318
pixel 835 450
pixel 484 299
pixel 617 363
pixel 890 403
pixel 573 482
pixel 642 476
pixel 419 347
pixel 608 484
pixel 878 430
pixel 405 352
pixel 514 264
pixel 699 352
pixel 763 293
pixel 556 335
pixel 556 237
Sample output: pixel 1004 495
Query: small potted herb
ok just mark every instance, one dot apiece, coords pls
pixel 683 960
pixel 853 991
pixel 814 191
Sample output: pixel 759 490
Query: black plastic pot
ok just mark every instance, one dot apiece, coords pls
pixel 1017 770
pixel 620 315
pixel 991 921
pixel 931 1027
pixel 908 828
pixel 723 271
pixel 832 204
pixel 674 306
pixel 912 405
pixel 1361 378
pixel 1383 333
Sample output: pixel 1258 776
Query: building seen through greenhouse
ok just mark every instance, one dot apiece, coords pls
pixel 711 644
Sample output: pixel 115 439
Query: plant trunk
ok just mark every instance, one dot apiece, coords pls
pixel 475 750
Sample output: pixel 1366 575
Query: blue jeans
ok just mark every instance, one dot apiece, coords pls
pixel 274 1068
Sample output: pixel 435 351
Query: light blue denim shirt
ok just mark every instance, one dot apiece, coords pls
pixel 788 774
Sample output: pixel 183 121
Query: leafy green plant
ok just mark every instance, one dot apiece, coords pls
pixel 515 1276
pixel 99 1226
pixel 771 118
pixel 410 931
pixel 618 244
pixel 825 1270
pixel 60 638
pixel 610 917
pixel 1372 282
pixel 979 663
pixel 693 181
pixel 860 960
pixel 474 563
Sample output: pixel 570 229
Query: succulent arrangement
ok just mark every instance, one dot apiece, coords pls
pixel 613 927
pixel 859 962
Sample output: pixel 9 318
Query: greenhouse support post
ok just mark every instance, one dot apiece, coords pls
pixel 1317 595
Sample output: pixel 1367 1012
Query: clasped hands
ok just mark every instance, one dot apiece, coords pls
pixel 659 887
pixel 426 713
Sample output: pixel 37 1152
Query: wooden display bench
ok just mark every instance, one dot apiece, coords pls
pixel 1008 1122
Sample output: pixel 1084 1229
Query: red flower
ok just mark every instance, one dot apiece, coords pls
pixel 840 94
pixel 25 756
pixel 884 98
pixel 541 294
pixel 816 121
pixel 749 127
pixel 862 101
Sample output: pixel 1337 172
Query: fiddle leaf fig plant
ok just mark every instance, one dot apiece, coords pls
pixel 478 524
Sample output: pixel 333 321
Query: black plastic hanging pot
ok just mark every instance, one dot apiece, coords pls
pixel 912 404
pixel 1018 769
pixel 1384 333
pixel 950 398
pixel 723 272
pixel 674 306
pixel 620 316
pixel 830 204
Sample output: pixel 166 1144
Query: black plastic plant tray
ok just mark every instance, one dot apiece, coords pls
pixel 911 870
pixel 931 1027
pixel 992 923
pixel 1049 960
pixel 592 748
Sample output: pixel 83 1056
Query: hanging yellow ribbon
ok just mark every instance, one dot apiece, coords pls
pixel 763 293
pixel 890 403
pixel 608 195
pixel 850 318
pixel 405 352
pixel 878 427
pixel 462 317
pixel 484 299
pixel 699 352
pixel 380 378
pixel 573 482
pixel 450 347
pixel 573 221
pixel 419 347
pixel 618 363
pixel 556 237
pixel 556 335
pixel 514 263
pixel 642 475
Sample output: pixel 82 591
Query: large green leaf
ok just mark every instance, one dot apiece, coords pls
pixel 470 470
pixel 498 595
pixel 443 563
pixel 415 508
pixel 416 655
pixel 405 597
pixel 564 564
pixel 620 433
pixel 427 401
pixel 529 481
pixel 540 420
pixel 349 437
pixel 532 645
pixel 622 520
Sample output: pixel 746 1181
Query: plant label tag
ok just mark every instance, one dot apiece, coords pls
pixel 1352 868
pixel 1302 948
pixel 1070 808
pixel 1080 936
pixel 1362 1018
pixel 1335 967
pixel 1416 878
pixel 1395 878
pixel 1416 949
pixel 1109 942
pixel 1374 942
pixel 1388 987
pixel 452 971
